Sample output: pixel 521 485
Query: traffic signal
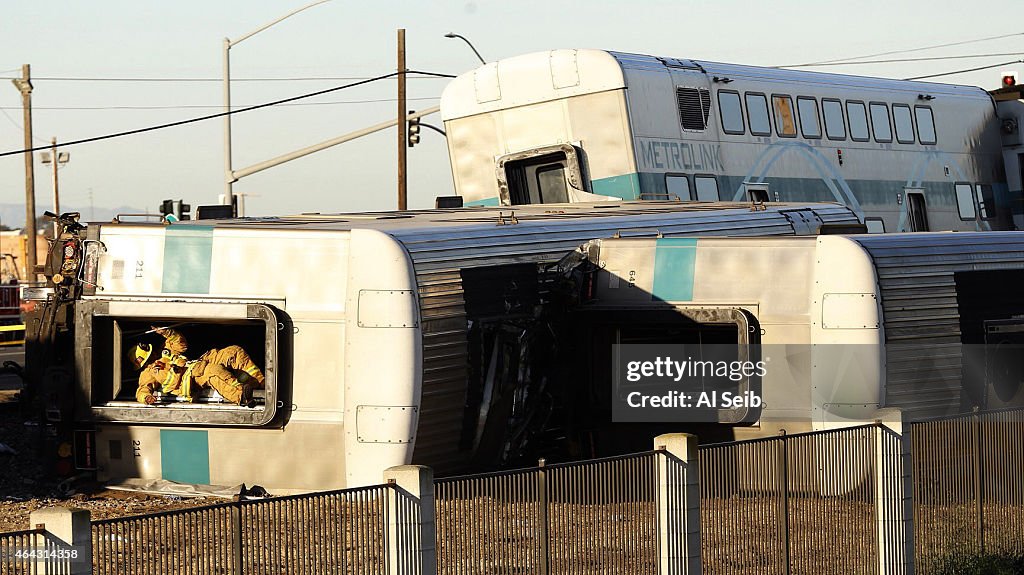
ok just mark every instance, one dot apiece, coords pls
pixel 1009 79
pixel 175 210
pixel 413 130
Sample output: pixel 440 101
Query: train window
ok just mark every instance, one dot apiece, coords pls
pixel 785 120
pixel 986 201
pixel 925 124
pixel 707 188
pixel 835 125
pixel 694 106
pixel 904 123
pixel 810 125
pixel 858 121
pixel 732 112
pixel 875 225
pixel 678 185
pixel 880 123
pixel 965 201
pixel 551 184
pixel 757 114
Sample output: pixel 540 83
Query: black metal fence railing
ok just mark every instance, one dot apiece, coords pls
pixel 337 532
pixel 804 503
pixel 968 487
pixel 591 517
pixel 34 551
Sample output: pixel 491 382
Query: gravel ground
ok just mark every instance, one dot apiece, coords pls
pixel 25 486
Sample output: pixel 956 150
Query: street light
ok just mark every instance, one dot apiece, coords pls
pixel 468 43
pixel 229 174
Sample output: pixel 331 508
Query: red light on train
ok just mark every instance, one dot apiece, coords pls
pixel 1009 79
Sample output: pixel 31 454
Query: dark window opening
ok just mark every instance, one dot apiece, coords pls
pixel 986 201
pixel 925 124
pixel 731 110
pixel 538 180
pixel 965 201
pixel 917 213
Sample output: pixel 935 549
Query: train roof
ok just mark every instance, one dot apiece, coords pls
pixel 532 215
pixel 514 81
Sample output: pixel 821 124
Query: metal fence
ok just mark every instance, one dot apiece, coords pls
pixel 34 551
pixel 332 532
pixel 593 517
pixel 968 486
pixel 807 503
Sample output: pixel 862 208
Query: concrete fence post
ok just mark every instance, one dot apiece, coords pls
pixel 411 537
pixel 678 504
pixel 69 534
pixel 894 493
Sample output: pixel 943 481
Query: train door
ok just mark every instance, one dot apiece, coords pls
pixel 917 214
pixel 548 175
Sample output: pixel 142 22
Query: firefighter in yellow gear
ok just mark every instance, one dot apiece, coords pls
pixel 230 371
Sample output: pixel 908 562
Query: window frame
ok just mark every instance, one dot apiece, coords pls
pixel 874 219
pixel 713 178
pixel 888 119
pixel 793 115
pixel 545 168
pixel 895 129
pixel 842 118
pixel 957 186
pixel 849 121
pixel 689 188
pixel 989 213
pixel 767 109
pixel 817 116
pixel 721 111
pixel 935 129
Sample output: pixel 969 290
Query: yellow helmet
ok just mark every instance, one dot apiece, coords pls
pixel 139 354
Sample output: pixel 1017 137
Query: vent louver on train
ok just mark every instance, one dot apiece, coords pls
pixel 694 107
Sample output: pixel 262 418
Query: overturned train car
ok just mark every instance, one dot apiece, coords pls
pixel 932 324
pixel 375 332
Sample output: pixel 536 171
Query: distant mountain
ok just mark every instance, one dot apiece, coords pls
pixel 13 215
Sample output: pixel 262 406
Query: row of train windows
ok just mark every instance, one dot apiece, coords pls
pixel 860 122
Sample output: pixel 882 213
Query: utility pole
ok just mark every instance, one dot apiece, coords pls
pixel 24 85
pixel 57 159
pixel 402 113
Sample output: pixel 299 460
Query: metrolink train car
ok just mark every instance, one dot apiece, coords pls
pixel 385 338
pixel 582 125
pixel 928 323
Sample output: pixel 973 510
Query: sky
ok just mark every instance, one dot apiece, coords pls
pixel 180 43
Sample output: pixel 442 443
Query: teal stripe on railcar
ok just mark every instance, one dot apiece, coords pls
pixel 185 456
pixel 626 187
pixel 483 202
pixel 188 253
pixel 674 262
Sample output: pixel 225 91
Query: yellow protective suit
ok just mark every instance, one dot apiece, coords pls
pixel 230 371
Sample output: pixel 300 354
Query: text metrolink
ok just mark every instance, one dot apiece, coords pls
pixel 665 367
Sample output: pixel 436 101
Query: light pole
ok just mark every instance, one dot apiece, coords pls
pixel 468 43
pixel 56 159
pixel 229 174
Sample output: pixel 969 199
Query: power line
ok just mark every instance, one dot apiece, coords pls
pixel 967 70
pixel 212 116
pixel 890 53
pixel 203 106
pixel 271 79
pixel 931 58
